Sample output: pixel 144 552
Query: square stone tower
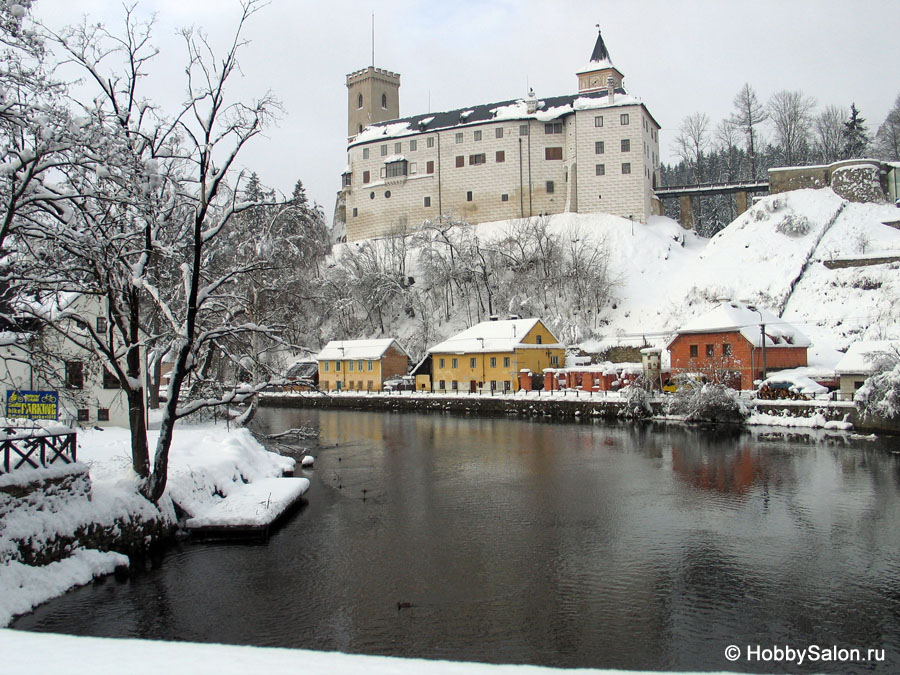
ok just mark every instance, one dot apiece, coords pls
pixel 373 95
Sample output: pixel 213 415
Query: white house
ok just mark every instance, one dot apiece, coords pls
pixel 593 151
pixel 859 363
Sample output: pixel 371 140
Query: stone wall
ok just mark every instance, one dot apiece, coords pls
pixel 856 180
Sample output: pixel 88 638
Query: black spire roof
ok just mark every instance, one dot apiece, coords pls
pixel 600 53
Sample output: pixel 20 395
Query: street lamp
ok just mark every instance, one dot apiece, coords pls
pixel 762 335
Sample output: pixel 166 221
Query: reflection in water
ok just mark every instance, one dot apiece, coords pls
pixel 531 542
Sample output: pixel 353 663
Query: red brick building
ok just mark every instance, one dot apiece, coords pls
pixel 725 345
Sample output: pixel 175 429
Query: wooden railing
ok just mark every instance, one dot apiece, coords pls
pixel 35 448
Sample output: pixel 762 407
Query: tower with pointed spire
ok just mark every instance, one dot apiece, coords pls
pixel 595 76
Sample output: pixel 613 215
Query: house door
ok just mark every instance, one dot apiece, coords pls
pixel 473 386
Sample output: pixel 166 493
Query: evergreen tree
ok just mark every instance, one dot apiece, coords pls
pixel 856 137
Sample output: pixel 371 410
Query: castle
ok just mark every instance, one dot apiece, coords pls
pixel 596 151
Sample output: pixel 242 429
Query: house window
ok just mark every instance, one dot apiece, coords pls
pixel 325 367
pixel 626 167
pixel 337 366
pixel 726 350
pixel 553 153
pixel 442 365
pixel 355 212
pixel 384 150
pixel 549 187
pixel 370 365
pixel 469 196
pixel 429 142
pixel 351 366
pixel 477 135
pixel 359 366
pixel 504 198
pixel 110 381
pixel 710 350
pixel 507 385
pixel 365 153
pixel 498 132
pixel 493 385
pixel 454 363
pixel 103 414
pixel 369 384
pixel 695 351
pixel 553 128
pixel 459 137
pixel 398 148
pixel 600 169
pixel 384 101
pixel 493 362
pixel 443 385
pixel 599 147
pixel 554 360
pixel 84 415
pixel 539 339
pixel 454 385
pixel 102 325
pixel 429 166
pixel 501 156
pixel 427 202
pixel 394 169
pixel 506 362
pixel 477 159
pixel 460 160
pixel 359 101
pixel 413 146
pixel 626 145
pixel 74 375
pixel 472 362
pixel 623 119
pixel 523 130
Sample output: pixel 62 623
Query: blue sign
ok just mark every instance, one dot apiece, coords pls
pixel 33 405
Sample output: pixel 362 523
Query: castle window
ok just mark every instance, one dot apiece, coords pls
pixel 355 212
pixel 387 194
pixel 626 145
pixel 626 167
pixel 498 132
pixel 600 170
pixel 412 168
pixel 346 179
pixel 599 147
pixel 359 101
pixel 384 150
pixel 459 137
pixel 371 195
pixel 469 196
pixel 395 169
pixel 366 177
pixel 365 153
pixel 504 197
pixel 623 119
pixel 413 145
pixel 523 130
pixel 398 148
pixel 429 166
pixel 553 153
pixel 501 156
pixel 460 160
pixel 553 128
pixel 477 135
pixel 477 159
pixel 427 202
pixel 598 121
pixel 384 101
pixel 550 187
pixel 429 142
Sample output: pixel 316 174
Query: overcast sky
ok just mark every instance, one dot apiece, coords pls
pixel 678 56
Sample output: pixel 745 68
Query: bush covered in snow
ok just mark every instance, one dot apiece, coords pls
pixel 794 225
pixel 637 402
pixel 880 395
pixel 709 403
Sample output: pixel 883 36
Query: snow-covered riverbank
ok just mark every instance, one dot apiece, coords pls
pixel 207 462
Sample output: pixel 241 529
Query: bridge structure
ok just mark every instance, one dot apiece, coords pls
pixel 685 194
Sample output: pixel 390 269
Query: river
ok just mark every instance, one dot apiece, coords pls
pixel 567 544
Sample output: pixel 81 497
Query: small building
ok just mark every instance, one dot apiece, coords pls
pixel 360 365
pixel 859 363
pixel 422 374
pixel 490 355
pixel 725 345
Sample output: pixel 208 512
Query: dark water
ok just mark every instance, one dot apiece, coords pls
pixel 555 544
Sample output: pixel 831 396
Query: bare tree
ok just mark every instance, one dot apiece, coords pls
pixel 829 134
pixel 693 141
pixel 791 114
pixel 887 139
pixel 748 116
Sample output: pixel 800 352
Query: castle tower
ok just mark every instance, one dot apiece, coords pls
pixel 596 75
pixel 373 95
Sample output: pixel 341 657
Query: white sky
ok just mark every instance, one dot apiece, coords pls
pixel 679 56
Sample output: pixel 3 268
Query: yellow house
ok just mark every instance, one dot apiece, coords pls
pixel 490 355
pixel 361 365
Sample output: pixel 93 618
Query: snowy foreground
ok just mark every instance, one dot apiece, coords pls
pixel 46 653
pixel 206 461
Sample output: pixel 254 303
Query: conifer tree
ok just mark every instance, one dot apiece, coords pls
pixel 856 137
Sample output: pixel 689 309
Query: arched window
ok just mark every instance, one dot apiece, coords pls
pixel 359 101
pixel 384 101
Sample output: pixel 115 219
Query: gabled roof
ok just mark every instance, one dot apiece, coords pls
pixel 736 317
pixel 861 356
pixel 492 336
pixel 338 350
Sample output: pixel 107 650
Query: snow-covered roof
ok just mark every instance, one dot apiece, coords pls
pixel 735 316
pixel 599 57
pixel 338 350
pixel 492 336
pixel 862 355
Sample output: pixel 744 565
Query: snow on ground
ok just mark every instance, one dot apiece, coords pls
pixel 49 653
pixel 256 504
pixel 205 462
